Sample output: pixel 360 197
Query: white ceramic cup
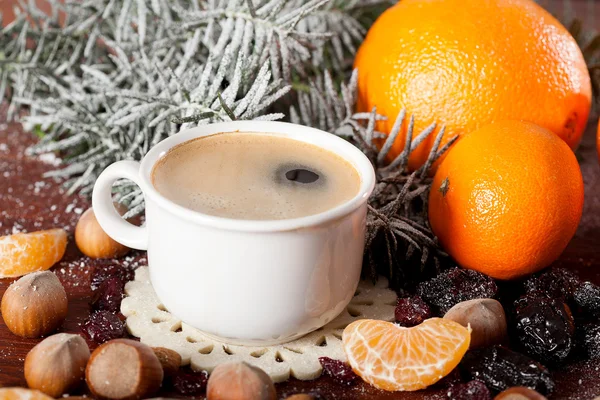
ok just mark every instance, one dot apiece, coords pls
pixel 242 281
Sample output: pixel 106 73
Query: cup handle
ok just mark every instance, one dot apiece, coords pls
pixel 109 219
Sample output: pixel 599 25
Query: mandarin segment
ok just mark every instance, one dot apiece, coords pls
pixel 394 358
pixel 24 253
pixel 17 393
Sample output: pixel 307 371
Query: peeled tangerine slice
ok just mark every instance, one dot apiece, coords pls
pixel 394 358
pixel 22 394
pixel 23 253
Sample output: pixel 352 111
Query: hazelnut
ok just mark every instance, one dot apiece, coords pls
pixel 487 320
pixel 169 359
pixel 56 365
pixel 93 241
pixel 34 305
pixel 123 369
pixel 239 381
pixel 519 393
pixel 301 396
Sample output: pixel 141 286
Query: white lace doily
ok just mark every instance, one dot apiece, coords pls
pixel 155 326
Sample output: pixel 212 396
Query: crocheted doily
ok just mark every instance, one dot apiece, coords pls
pixel 148 319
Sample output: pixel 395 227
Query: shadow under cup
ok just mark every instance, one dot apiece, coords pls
pixel 245 281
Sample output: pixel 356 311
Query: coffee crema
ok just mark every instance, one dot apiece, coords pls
pixel 254 176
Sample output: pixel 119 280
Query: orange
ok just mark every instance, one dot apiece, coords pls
pixel 467 63
pixel 394 358
pixel 23 253
pixel 507 199
pixel 16 393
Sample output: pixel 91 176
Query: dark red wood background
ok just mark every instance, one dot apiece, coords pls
pixel 28 202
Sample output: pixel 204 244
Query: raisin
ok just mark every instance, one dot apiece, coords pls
pixel 456 285
pixel 554 283
pixel 338 370
pixel 500 368
pixel 411 311
pixel 587 296
pixel 190 383
pixel 103 326
pixel 103 272
pixel 109 295
pixel 544 328
pixel 589 340
pixel 474 390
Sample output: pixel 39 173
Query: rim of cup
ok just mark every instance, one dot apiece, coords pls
pixel 317 137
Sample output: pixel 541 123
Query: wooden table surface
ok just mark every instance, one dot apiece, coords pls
pixel 28 202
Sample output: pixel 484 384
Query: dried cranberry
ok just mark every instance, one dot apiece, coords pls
pixel 338 370
pixel 190 383
pixel 109 295
pixel 589 340
pixel 544 328
pixel 554 283
pixel 587 296
pixel 500 368
pixel 103 272
pixel 103 326
pixel 474 390
pixel 456 285
pixel 411 311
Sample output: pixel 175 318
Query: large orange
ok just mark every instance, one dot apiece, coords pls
pixel 467 63
pixel 507 199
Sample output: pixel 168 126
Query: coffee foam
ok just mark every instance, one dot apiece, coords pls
pixel 243 176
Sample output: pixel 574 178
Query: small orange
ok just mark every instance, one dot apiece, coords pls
pixel 467 63
pixel 17 393
pixel 507 199
pixel 394 358
pixel 23 253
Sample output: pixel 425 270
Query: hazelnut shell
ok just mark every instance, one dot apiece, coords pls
pixel 35 305
pixel 240 381
pixel 56 365
pixel 93 241
pixel 124 369
pixel 486 318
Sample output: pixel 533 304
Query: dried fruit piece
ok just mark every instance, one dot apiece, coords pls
pixel 123 369
pixel 93 241
pixel 239 381
pixel 103 326
pixel 455 285
pixel 340 371
pixel 554 283
pixel 56 365
pixel 17 393
pixel 544 328
pixel 587 296
pixel 589 340
pixel 169 359
pixel 190 383
pixel 24 253
pixel 394 358
pixel 411 311
pixel 34 305
pixel 104 271
pixel 109 295
pixel 486 318
pixel 474 390
pixel 501 368
pixel 519 393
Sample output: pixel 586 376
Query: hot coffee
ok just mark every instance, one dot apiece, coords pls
pixel 254 176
